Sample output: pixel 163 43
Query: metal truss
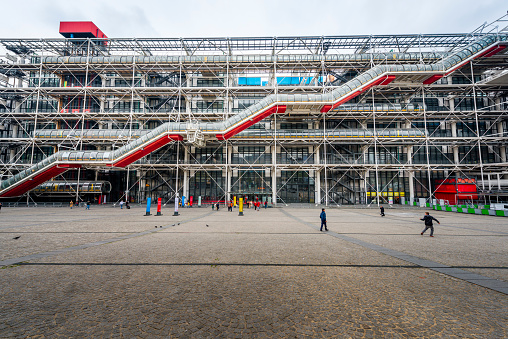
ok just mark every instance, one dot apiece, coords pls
pixel 229 46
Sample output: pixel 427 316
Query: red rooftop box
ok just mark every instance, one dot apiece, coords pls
pixel 80 29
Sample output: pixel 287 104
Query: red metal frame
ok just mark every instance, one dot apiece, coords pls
pixel 250 122
pixel 153 146
pixel 55 170
pixel 383 81
pixel 38 179
pixel 432 79
pixel 491 51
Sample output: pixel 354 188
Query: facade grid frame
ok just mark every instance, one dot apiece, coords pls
pixel 392 137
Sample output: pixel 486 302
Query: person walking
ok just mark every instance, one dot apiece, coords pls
pixel 213 206
pixel 0 206
pixel 218 205
pixel 88 205
pixel 121 204
pixel 266 204
pixel 382 209
pixel 427 218
pixel 71 204
pixel 323 220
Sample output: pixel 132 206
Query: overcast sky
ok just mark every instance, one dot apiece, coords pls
pixel 221 18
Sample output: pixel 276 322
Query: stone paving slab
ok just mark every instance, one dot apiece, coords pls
pixel 460 240
pixel 261 275
pixel 499 286
pixel 223 301
pixel 68 228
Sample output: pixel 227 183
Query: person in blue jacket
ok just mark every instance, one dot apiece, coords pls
pixel 323 220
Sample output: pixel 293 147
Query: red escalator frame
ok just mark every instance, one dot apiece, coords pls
pixel 58 169
pixel 485 54
pixel 249 122
pixel 40 178
pixel 383 81
pixel 153 146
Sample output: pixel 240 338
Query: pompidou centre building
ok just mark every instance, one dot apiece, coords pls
pixel 331 120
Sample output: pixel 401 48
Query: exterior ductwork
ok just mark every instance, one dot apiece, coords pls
pixel 242 59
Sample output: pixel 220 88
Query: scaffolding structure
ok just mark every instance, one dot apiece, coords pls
pixel 325 120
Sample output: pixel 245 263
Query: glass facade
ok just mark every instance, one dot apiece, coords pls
pixel 252 183
pixel 207 184
pixel 408 134
pixel 389 185
pixel 295 187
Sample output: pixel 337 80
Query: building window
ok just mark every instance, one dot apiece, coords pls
pixel 207 155
pixel 295 155
pixel 208 185
pixel 210 106
pixel 209 83
pixel 251 155
pixel 295 187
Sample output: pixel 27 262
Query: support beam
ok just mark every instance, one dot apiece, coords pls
pixel 455 149
pixel 186 173
pixel 411 176
pixel 317 179
pixel 274 175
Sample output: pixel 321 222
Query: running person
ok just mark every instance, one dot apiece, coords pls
pixel 427 218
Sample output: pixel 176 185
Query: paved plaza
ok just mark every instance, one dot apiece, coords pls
pixel 108 272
